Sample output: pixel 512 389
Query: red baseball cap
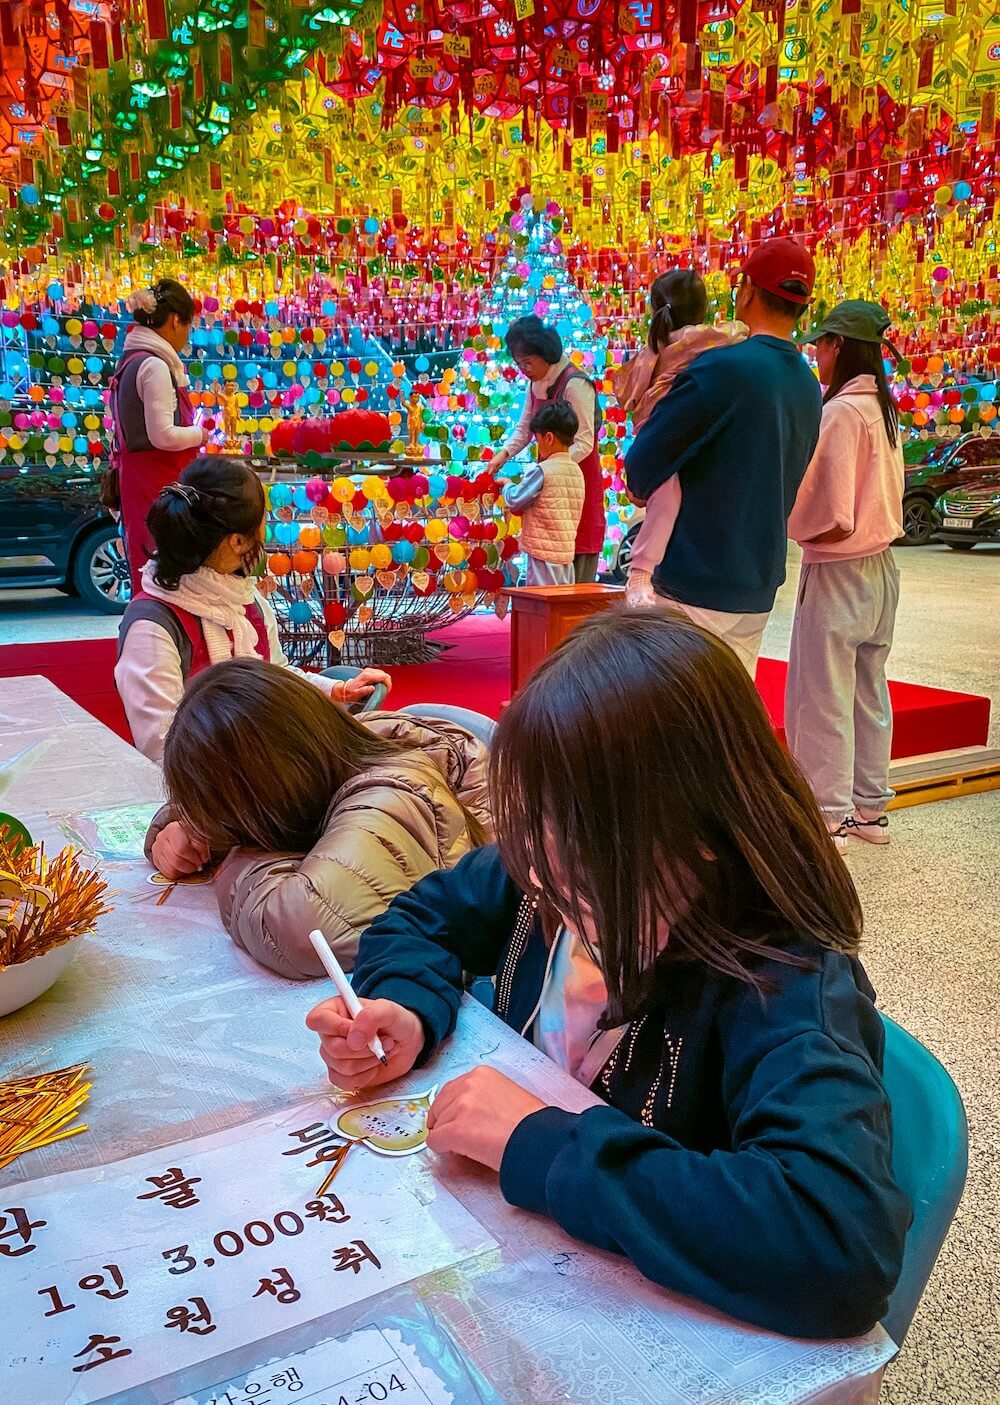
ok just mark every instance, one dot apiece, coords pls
pixel 779 262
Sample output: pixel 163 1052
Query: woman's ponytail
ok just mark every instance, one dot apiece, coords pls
pixel 214 498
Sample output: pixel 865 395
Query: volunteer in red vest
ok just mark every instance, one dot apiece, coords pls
pixel 199 603
pixel 155 433
pixel 537 352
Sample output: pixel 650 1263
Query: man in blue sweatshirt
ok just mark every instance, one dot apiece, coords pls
pixel 739 428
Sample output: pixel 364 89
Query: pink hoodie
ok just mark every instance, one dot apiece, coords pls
pixel 854 482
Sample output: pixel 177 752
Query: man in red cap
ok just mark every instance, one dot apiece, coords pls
pixel 739 428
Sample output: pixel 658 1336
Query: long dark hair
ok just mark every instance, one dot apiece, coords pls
pixel 255 754
pixel 637 783
pixel 678 299
pixel 214 498
pixel 864 358
pixel 170 296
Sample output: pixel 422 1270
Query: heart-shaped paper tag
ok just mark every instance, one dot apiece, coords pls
pixel 442 551
pixel 402 511
pixel 391 1126
pixel 285 514
pixel 386 579
pixel 336 638
pixel 500 607
pixel 358 520
pixel 421 580
pixel 363 614
pixel 364 585
pixel 455 605
pixel 320 515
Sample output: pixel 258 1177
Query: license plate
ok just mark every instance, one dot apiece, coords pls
pixel 961 522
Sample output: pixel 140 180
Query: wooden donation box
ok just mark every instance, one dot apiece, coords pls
pixel 542 616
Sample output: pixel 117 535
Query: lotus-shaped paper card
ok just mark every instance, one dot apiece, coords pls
pixel 390 1126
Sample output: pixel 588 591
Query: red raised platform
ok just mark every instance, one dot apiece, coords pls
pixel 474 671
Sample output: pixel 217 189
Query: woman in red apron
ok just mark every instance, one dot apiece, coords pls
pixel 155 437
pixel 537 352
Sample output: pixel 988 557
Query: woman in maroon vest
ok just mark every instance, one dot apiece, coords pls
pixel 537 352
pixel 155 434
pixel 198 603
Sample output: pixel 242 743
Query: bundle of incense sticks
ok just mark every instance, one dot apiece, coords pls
pixel 34 1110
pixel 44 902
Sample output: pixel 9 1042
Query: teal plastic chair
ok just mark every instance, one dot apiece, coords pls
pixel 477 723
pixel 375 698
pixel 930 1156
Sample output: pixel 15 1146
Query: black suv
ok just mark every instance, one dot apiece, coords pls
pixel 55 532
pixel 959 463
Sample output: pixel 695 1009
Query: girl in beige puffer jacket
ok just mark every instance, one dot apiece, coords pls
pixel 320 819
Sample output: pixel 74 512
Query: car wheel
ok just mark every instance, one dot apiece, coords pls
pixel 960 546
pixel 918 523
pixel 100 571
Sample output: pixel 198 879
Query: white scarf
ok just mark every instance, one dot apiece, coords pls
pixel 219 602
pixel 145 339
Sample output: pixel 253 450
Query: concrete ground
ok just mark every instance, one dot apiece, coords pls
pixel 932 908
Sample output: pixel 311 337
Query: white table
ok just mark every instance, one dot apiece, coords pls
pixel 186 1035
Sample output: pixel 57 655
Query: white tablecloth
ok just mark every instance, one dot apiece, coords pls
pixel 186 1035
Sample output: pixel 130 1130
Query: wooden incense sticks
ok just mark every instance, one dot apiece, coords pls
pixel 34 1110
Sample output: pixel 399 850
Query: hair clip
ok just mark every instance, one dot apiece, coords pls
pixel 183 491
pixel 143 300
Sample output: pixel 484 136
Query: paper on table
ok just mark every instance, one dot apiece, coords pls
pixel 129 1272
pixel 117 835
pixel 370 1365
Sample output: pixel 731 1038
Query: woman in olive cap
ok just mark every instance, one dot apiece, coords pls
pixel 848 512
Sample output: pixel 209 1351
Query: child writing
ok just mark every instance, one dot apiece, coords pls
pixel 676 336
pixel 693 959
pixel 549 497
pixel 199 602
pixel 320 818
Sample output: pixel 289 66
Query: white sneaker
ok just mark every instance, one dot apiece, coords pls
pixel 873 829
pixel 838 834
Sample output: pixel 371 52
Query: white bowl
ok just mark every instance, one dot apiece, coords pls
pixel 21 984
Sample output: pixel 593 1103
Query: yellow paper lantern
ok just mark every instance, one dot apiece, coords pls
pixel 360 558
pixel 75 366
pixel 342 489
pixel 381 556
pixel 373 487
pixel 73 326
pixel 371 369
pixel 229 372
pixel 456 554
pixel 436 530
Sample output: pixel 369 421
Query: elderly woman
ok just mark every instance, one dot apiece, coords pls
pixel 537 352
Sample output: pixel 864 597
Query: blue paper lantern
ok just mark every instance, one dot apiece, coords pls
pixel 357 536
pixel 437 485
pixel 302 500
pixel 403 551
pixel 299 612
pixel 280 495
pixel 286 533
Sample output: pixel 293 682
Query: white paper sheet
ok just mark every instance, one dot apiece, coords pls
pixel 129 1272
pixel 369 1366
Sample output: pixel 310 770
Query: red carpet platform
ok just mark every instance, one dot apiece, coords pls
pixel 473 671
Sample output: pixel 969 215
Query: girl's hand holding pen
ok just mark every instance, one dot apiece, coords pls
pixel 343 1042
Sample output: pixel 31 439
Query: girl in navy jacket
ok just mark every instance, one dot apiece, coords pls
pixel 666 917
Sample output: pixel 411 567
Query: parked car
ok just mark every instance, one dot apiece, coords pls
pixel 55 532
pixel 957 463
pixel 967 515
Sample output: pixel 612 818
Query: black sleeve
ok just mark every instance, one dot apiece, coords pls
pixel 450 922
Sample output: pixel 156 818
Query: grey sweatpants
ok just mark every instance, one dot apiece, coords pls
pixel 838 721
pixel 547 572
